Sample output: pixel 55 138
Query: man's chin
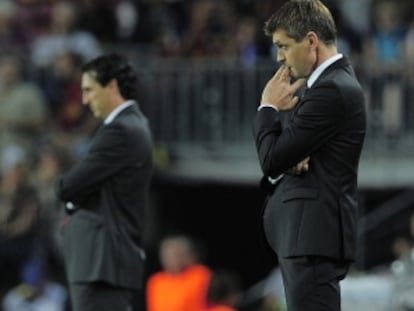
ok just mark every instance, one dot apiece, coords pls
pixel 296 76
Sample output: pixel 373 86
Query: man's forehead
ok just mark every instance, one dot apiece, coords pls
pixel 281 37
pixel 88 80
pixel 88 77
pixel 91 75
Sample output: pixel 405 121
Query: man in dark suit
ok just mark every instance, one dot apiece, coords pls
pixel 106 193
pixel 309 152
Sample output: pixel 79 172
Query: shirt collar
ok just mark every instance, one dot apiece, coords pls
pixel 321 68
pixel 117 110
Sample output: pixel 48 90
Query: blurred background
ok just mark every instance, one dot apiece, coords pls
pixel 202 65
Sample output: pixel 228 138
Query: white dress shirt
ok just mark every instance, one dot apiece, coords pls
pixel 117 110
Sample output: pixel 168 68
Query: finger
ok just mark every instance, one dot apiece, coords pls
pixel 302 169
pixel 285 74
pixel 294 101
pixel 280 72
pixel 297 85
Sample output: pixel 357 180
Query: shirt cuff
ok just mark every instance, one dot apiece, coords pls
pixel 274 181
pixel 267 105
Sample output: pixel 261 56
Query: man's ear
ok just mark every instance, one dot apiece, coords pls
pixel 113 84
pixel 313 39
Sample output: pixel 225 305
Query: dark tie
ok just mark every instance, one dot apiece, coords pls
pixel 303 91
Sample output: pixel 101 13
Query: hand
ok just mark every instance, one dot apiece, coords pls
pixel 279 91
pixel 301 167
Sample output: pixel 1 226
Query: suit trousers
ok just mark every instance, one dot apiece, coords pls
pixel 312 282
pixel 100 296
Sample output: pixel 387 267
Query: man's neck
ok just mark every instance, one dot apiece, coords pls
pixel 325 52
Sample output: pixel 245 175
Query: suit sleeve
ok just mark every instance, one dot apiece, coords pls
pixel 108 154
pixel 316 120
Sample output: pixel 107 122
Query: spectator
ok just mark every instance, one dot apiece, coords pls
pixel 210 31
pixel 60 82
pixel 383 58
pixel 92 13
pixel 19 217
pixel 23 109
pixel 403 268
pixel 126 19
pixel 63 36
pixel 183 282
pixel 49 162
pixel 408 73
pixel 247 41
pixel 36 292
pixel 224 292
pixel 11 33
pixel 349 40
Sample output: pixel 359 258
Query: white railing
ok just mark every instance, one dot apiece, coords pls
pixel 212 102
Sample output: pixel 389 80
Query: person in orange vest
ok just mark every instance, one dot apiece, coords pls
pixel 183 282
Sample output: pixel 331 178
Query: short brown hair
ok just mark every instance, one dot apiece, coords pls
pixel 298 17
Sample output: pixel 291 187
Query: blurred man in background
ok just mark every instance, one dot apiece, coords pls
pixel 106 193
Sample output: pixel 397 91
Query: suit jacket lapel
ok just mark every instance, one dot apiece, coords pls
pixel 343 62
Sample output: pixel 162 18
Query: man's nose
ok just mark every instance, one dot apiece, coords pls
pixel 280 57
pixel 85 100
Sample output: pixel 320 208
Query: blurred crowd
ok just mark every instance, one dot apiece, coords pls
pixel 43 123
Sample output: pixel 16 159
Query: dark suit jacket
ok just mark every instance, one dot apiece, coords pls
pixel 109 187
pixel 314 213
